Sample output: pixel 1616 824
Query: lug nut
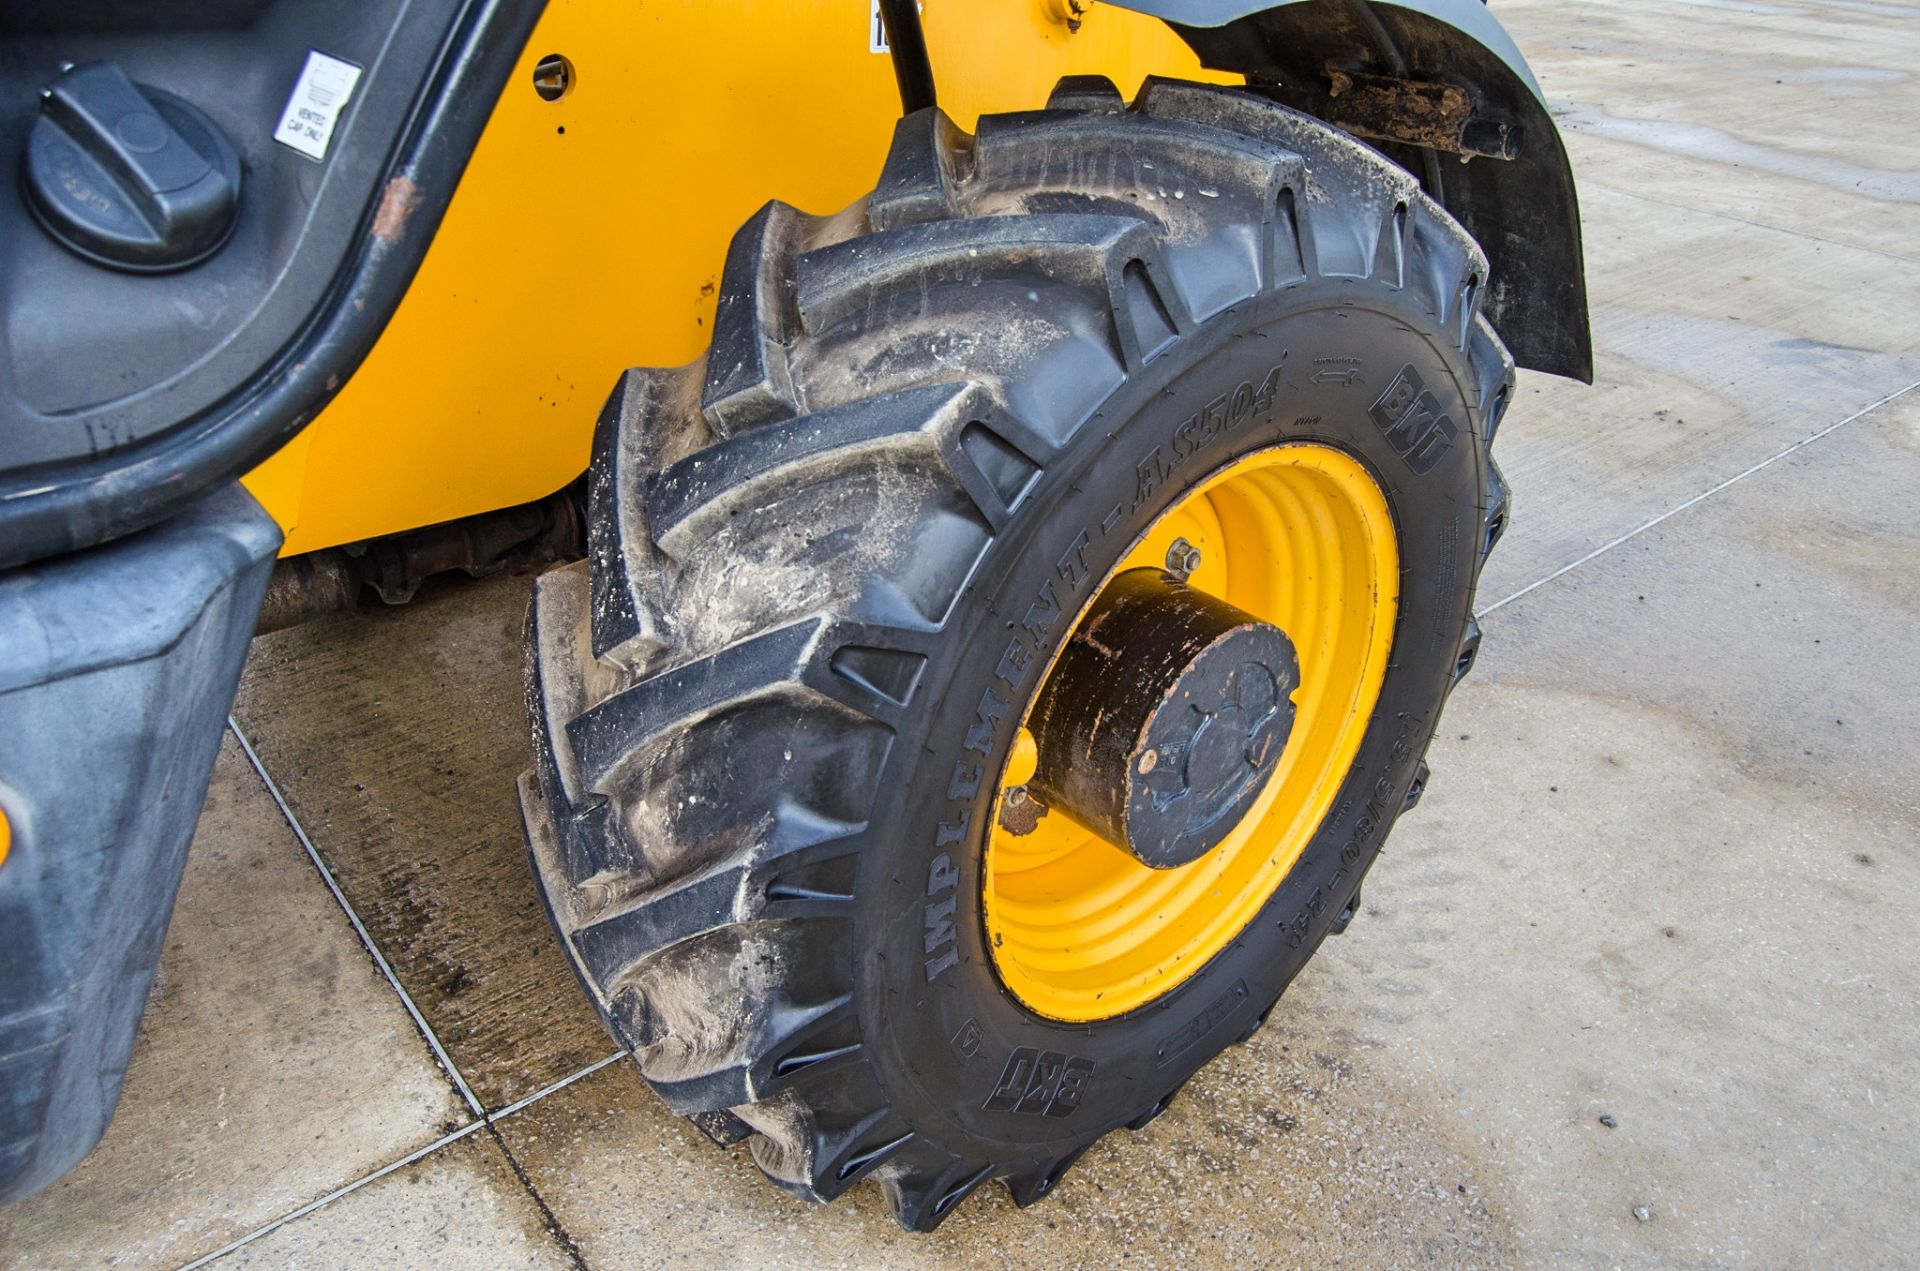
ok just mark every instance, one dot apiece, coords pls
pixel 1020 812
pixel 1182 558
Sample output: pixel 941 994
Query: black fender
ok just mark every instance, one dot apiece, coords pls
pixel 1503 173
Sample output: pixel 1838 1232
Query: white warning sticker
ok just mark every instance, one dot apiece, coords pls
pixel 317 102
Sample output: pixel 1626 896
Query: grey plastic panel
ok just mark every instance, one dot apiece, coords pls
pixel 117 669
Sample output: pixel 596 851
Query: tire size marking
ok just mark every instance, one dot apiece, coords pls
pixel 1414 423
pixel 1040 1083
pixel 1190 1033
pixel 1375 817
pixel 1223 414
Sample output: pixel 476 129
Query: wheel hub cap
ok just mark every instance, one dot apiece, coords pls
pixel 1163 718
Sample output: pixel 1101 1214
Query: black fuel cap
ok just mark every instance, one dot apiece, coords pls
pixel 127 175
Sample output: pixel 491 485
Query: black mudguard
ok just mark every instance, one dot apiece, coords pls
pixel 1522 210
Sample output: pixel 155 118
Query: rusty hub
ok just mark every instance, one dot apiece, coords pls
pixel 1164 718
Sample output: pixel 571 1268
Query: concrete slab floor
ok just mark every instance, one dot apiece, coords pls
pixel 460 1207
pixel 1823 94
pixel 274 1062
pixel 396 739
pixel 1706 831
pixel 1664 873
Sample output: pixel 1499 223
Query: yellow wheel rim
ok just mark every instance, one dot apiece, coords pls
pixel 1299 536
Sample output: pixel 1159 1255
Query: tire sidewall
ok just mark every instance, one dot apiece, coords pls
pixel 947 1035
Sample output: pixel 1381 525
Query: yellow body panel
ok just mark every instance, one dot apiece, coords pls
pixel 588 233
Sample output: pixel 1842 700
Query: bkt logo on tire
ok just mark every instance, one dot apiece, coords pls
pixel 1041 1083
pixel 1411 417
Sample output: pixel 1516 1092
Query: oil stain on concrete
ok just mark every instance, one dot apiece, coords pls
pixel 396 737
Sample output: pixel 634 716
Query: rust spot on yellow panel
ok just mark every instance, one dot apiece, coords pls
pixel 397 203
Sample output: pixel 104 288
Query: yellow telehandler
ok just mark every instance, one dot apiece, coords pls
pixel 980 652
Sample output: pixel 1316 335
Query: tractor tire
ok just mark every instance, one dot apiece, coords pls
pixel 831 564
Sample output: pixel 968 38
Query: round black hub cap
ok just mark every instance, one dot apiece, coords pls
pixel 1163 720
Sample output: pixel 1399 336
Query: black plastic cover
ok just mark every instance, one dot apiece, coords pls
pixel 117 669
pixel 124 396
